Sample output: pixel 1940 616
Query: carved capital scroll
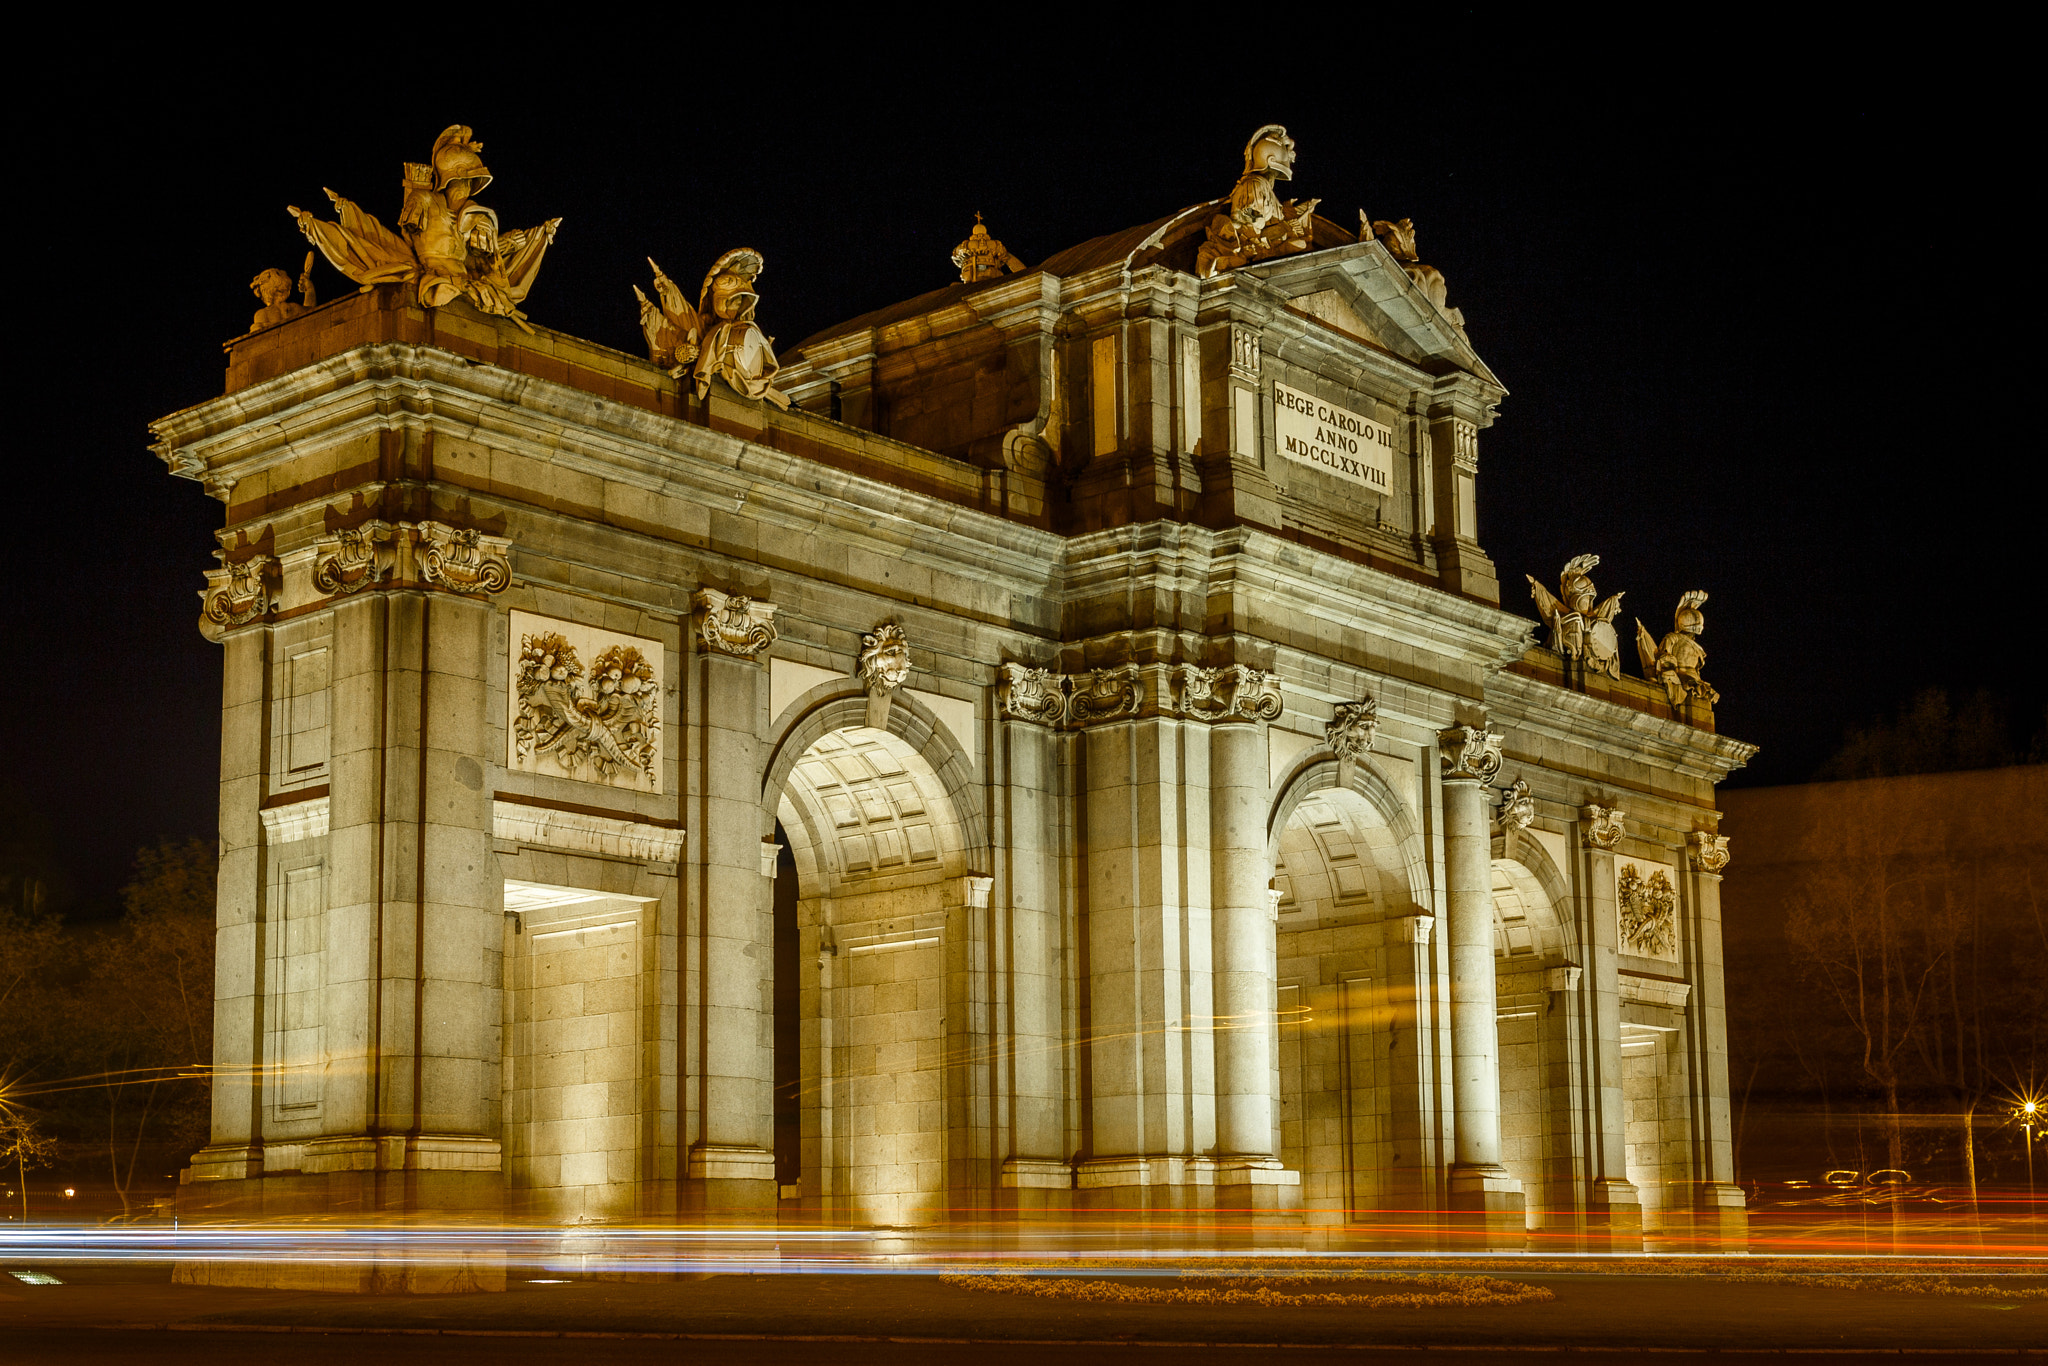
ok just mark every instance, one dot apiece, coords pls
pixel 1032 694
pixel 1603 826
pixel 1105 695
pixel 463 560
pixel 732 625
pixel 1236 692
pixel 1707 851
pixel 235 594
pixel 1469 753
pixel 353 559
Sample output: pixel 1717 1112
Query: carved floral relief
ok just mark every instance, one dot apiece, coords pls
pixel 585 704
pixel 1648 905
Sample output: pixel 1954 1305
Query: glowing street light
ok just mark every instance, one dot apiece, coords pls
pixel 2030 1112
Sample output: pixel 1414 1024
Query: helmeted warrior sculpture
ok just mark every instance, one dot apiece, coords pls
pixel 718 337
pixel 447 242
pixel 982 257
pixel 1259 224
pixel 1578 628
pixel 1676 660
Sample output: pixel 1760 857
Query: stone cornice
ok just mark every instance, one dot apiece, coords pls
pixel 392 386
pixel 1532 707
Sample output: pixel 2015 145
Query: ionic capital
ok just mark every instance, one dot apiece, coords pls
pixel 1707 851
pixel 1469 753
pixel 235 594
pixel 730 625
pixel 1031 694
pixel 1602 827
pixel 1235 692
pixel 354 558
pixel 463 559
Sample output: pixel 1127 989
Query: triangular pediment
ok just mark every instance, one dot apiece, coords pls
pixel 1359 289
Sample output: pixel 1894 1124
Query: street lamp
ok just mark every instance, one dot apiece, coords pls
pixel 2029 1114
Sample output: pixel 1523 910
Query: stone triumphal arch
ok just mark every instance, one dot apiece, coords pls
pixel 1051 748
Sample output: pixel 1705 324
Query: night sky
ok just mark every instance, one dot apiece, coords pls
pixel 1749 301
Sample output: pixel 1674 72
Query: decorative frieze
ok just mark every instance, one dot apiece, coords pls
pixel 1235 692
pixel 306 820
pixel 463 559
pixel 354 558
pixel 1603 826
pixel 1469 753
pixel 733 625
pixel 583 832
pixel 1707 851
pixel 235 594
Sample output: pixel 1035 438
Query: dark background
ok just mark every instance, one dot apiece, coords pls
pixel 1749 291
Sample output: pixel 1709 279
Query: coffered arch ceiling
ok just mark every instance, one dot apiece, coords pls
pixel 862 807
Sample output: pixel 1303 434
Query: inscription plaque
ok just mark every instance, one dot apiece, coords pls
pixel 1335 440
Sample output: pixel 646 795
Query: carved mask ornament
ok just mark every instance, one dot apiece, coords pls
pixel 884 658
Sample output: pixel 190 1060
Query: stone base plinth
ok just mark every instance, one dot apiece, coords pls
pixel 731 1184
pixel 1488 1208
pixel 1715 1219
pixel 451 1176
pixel 1208 1200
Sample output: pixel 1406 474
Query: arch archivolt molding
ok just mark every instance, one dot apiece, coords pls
pixel 841 706
pixel 1319 772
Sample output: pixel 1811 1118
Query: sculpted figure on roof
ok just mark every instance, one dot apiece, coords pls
pixel 982 257
pixel 1579 628
pixel 1676 660
pixel 447 242
pixel 718 337
pixel 1259 224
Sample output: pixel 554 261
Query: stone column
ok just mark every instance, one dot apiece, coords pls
pixel 1720 1213
pixel 730 985
pixel 1614 1211
pixel 1146 897
pixel 1035 1174
pixel 1479 1184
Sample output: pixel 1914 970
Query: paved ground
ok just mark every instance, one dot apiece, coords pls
pixel 131 1313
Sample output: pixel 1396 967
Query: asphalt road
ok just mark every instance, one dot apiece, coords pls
pixel 131 1313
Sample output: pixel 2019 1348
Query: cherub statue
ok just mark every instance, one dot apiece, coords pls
pixel 1577 627
pixel 1398 237
pixel 274 288
pixel 1676 660
pixel 981 257
pixel 447 242
pixel 1259 224
pixel 718 337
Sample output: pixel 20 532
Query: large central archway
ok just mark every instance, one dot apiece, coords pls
pixel 868 1083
